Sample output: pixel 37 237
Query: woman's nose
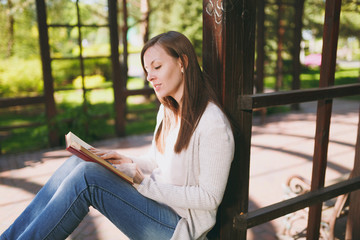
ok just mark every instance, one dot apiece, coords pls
pixel 150 77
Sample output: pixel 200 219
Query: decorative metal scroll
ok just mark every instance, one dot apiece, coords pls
pixel 217 8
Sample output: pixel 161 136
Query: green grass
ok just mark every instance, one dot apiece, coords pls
pixel 310 78
pixel 97 123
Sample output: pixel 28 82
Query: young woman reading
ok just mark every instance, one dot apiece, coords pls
pixel 179 184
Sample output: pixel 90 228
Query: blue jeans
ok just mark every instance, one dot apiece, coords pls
pixel 64 201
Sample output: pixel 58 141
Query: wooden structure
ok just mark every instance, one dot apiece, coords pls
pixel 229 38
pixel 295 186
pixel 228 56
pixel 119 73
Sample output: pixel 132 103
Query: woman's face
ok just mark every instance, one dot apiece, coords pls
pixel 164 72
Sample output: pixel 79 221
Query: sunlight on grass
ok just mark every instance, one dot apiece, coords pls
pixel 97 95
pixel 310 78
pixel 101 96
pixel 135 83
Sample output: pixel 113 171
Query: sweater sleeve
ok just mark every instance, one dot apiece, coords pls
pixel 215 153
pixel 147 161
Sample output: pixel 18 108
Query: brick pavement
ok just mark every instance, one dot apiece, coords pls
pixel 281 146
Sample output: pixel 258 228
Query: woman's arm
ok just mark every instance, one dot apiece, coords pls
pixel 216 150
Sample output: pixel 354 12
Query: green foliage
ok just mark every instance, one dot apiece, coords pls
pixel 19 77
pixel 95 124
pixel 25 34
pixel 89 81
pixel 36 137
pixel 314 13
pixel 90 125
pixel 184 16
pixel 65 71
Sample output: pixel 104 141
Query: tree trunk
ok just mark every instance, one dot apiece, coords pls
pixel 280 36
pixel 11 23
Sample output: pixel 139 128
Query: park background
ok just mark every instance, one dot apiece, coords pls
pixel 84 101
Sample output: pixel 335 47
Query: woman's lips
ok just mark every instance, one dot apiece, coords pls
pixel 156 86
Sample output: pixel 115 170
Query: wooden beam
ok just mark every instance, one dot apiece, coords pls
pixel 11 102
pixel 50 106
pixel 142 91
pixel 296 66
pixel 228 58
pixel 117 77
pixel 353 221
pixel 324 109
pixel 248 102
pixel 280 209
pixel 260 46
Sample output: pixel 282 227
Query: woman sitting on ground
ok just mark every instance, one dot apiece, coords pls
pixel 179 183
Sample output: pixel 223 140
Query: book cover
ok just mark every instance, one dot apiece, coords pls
pixel 81 149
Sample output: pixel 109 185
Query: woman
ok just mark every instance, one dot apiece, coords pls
pixel 179 183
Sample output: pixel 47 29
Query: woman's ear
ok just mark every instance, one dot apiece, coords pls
pixel 183 63
pixel 186 60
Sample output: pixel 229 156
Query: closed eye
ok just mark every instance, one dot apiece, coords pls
pixel 158 67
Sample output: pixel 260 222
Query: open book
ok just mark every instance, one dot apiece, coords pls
pixel 80 148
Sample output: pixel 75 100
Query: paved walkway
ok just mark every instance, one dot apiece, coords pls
pixel 281 147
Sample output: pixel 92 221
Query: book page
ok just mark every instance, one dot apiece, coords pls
pixel 80 148
pixel 70 138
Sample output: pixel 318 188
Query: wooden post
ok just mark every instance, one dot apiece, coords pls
pixel 280 45
pixel 260 44
pixel 118 81
pixel 299 9
pixel 353 221
pixel 50 106
pixel 85 103
pixel 228 57
pixel 327 75
pixel 125 30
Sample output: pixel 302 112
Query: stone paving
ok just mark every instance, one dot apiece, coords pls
pixel 282 146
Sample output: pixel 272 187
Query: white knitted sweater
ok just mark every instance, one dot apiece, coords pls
pixel 208 159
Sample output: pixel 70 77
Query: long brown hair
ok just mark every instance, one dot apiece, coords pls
pixel 197 90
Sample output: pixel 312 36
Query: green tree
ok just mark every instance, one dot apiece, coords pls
pixel 349 18
pixel 18 33
pixel 184 16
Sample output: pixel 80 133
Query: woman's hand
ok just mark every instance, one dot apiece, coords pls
pixel 115 158
pixel 139 176
pixel 111 156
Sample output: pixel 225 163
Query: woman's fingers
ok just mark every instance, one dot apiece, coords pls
pixel 97 151
pixel 139 176
pixel 105 154
pixel 114 161
pixel 111 156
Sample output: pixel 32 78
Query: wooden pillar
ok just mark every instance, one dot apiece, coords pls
pixel 299 9
pixel 353 221
pixel 50 106
pixel 280 45
pixel 125 30
pixel 260 44
pixel 327 75
pixel 228 57
pixel 117 78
